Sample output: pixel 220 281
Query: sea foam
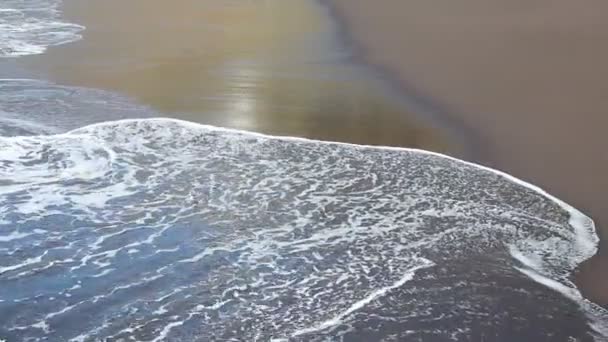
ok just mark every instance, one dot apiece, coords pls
pixel 28 27
pixel 165 229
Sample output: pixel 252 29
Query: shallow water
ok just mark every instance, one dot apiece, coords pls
pixel 33 107
pixel 161 229
pixel 273 66
pixel 30 26
pixel 527 77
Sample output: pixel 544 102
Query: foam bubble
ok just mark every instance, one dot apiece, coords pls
pixel 29 27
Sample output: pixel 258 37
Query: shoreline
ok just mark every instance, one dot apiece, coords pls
pixel 368 52
pixel 413 98
pixel 444 117
pixel 226 71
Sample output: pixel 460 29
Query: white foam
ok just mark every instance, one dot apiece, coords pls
pixel 28 28
pixel 586 237
pixel 374 295
pixel 533 268
pixel 27 262
pixel 168 172
pixel 164 333
pixel 14 235
pixel 42 326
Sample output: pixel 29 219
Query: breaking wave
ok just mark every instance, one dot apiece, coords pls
pixel 160 229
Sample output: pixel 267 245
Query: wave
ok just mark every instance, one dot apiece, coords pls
pixel 28 27
pixel 36 107
pixel 160 229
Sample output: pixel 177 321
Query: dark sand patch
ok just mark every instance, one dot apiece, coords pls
pixel 530 77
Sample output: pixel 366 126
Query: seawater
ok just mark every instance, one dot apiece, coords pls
pixel 30 26
pixel 156 229
pixel 160 229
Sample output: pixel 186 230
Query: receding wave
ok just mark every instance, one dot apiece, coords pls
pixel 35 107
pixel 161 229
pixel 28 27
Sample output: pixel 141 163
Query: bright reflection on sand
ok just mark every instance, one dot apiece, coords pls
pixel 275 66
pixel 241 111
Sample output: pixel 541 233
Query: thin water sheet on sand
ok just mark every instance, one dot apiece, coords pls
pixel 30 26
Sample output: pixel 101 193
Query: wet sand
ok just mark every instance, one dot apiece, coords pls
pixel 528 77
pixel 275 66
pixel 525 78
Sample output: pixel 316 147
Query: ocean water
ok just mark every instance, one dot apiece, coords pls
pixel 159 229
pixel 33 107
pixel 117 225
pixel 30 26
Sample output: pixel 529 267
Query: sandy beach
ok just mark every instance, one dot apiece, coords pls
pixel 523 79
pixel 529 77
pixel 240 65
pixel 121 212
